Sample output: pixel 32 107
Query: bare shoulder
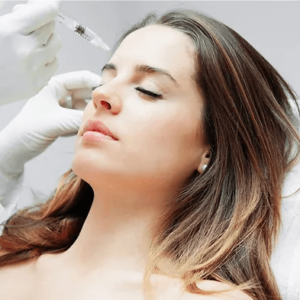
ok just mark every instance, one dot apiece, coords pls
pixel 209 285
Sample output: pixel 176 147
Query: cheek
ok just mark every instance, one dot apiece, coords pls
pixel 177 128
pixel 169 138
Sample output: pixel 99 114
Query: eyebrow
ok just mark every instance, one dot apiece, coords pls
pixel 144 69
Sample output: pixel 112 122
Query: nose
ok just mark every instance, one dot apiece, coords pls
pixel 106 99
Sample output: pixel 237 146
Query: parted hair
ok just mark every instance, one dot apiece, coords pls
pixel 223 224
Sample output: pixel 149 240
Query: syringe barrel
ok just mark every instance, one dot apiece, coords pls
pixel 85 32
pixel 63 19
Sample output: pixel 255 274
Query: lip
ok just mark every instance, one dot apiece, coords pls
pixel 94 125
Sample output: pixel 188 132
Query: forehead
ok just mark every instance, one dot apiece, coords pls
pixel 158 46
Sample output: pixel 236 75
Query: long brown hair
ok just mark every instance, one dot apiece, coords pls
pixel 224 223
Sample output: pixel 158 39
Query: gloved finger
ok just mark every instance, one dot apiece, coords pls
pixel 45 73
pixel 79 94
pixel 72 121
pixel 70 103
pixel 35 15
pixel 79 80
pixel 42 35
pixel 66 102
pixel 76 99
pixel 51 68
pixel 67 82
pixel 79 105
pixel 18 7
pixel 46 54
pixel 52 47
pixel 54 2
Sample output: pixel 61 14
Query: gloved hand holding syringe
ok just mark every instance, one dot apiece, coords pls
pixel 28 49
pixel 29 45
pixel 27 61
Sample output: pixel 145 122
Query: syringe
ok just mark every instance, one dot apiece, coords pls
pixel 84 32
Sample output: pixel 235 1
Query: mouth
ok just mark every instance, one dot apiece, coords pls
pixel 98 127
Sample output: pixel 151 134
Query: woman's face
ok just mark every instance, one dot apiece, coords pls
pixel 148 100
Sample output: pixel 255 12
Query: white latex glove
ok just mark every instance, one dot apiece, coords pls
pixel 28 48
pixel 40 122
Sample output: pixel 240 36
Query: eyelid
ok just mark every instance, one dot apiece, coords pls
pixel 139 88
pixel 147 93
pixel 146 76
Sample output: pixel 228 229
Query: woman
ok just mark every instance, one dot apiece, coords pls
pixel 177 172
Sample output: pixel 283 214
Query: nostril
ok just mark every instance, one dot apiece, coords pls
pixel 106 104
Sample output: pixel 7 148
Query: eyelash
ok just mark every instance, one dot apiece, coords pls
pixel 147 93
pixel 151 95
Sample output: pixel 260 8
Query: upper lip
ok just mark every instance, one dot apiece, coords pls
pixel 94 125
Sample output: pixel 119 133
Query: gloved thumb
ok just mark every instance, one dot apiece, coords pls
pixel 70 121
pixel 79 80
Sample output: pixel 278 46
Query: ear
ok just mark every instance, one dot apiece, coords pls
pixel 205 158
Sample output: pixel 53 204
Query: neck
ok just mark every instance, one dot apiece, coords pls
pixel 118 230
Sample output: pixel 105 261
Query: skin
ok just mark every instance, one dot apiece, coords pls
pixel 160 144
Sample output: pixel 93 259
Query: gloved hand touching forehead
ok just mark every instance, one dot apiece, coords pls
pixel 28 49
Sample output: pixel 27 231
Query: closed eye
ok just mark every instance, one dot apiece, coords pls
pixel 150 94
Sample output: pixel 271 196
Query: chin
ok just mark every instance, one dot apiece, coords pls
pixel 90 169
pixel 81 166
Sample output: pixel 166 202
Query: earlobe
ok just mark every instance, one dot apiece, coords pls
pixel 204 167
pixel 204 161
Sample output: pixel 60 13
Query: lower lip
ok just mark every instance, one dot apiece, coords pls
pixel 96 136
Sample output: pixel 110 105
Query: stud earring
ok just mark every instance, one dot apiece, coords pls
pixel 204 167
